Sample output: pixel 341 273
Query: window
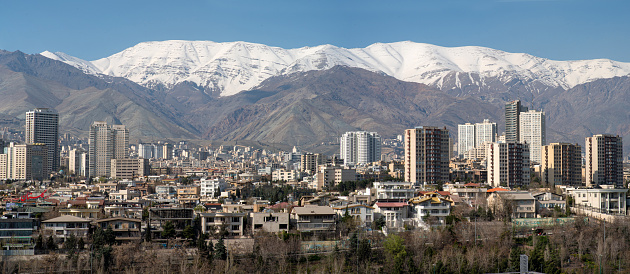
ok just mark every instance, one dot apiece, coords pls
pixel 236 219
pixel 258 226
pixel 235 227
pixel 283 226
pixel 271 219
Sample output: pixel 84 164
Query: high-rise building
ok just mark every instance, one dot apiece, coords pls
pixel 604 160
pixel 360 147
pixel 106 143
pixel 532 131
pixel 26 162
pixel 485 132
pixel 508 164
pixel 512 117
pixel 78 162
pixel 310 162
pixel 42 127
pixel 121 141
pixel 465 138
pixel 427 154
pixel 561 164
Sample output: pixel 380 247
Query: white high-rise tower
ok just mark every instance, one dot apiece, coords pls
pixel 360 147
pixel 532 131
pixel 106 143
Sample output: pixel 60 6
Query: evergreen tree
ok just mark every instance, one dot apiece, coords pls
pixel 80 243
pixel 365 250
pixel 50 243
pixel 220 252
pixel 39 243
pixel 169 230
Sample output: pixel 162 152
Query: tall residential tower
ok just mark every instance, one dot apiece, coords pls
pixel 427 154
pixel 42 127
pixel 360 147
pixel 604 160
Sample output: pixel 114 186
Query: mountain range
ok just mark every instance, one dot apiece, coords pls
pixel 251 92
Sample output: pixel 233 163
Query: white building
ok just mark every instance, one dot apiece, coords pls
pixel 285 175
pixel 485 132
pixel 78 162
pixel 605 200
pixel 363 213
pixel 394 190
pixel 212 187
pixel 465 138
pixel 64 226
pixel 360 147
pixel 533 132
pixel 25 162
pixel 42 126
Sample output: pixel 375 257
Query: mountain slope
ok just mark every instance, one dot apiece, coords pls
pixel 318 106
pixel 228 68
pixel 30 81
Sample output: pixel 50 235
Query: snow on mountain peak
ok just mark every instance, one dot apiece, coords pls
pixel 232 67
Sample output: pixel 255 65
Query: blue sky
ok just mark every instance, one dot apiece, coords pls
pixel 555 29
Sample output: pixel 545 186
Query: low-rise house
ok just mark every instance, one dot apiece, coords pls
pixel 363 213
pixel 394 190
pixel 64 226
pixel 605 200
pixel 125 229
pixel 273 222
pixel 88 209
pixel 396 214
pixel 431 204
pixel 549 201
pixel 520 204
pixel 233 222
pixel 313 218
pixel 124 195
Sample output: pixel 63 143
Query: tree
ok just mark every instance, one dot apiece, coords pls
pixel 80 243
pixel 70 244
pixel 397 252
pixel 365 250
pixel 50 243
pixel 189 233
pixel 39 243
pixel 220 252
pixel 169 230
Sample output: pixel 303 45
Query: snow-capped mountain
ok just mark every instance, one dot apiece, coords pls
pixel 236 66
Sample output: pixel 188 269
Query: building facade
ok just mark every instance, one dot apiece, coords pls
pixel 604 160
pixel 533 132
pixel 129 169
pixel 42 127
pixel 106 143
pixel 513 110
pixel 360 147
pixel 427 152
pixel 508 164
pixel 465 138
pixel 561 164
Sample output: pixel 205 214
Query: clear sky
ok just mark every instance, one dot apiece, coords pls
pixel 555 29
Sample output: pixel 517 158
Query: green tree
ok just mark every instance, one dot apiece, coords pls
pixel 168 230
pixel 220 252
pixel 397 252
pixel 50 243
pixel 189 233
pixel 39 243
pixel 70 244
pixel 365 250
pixel 80 243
